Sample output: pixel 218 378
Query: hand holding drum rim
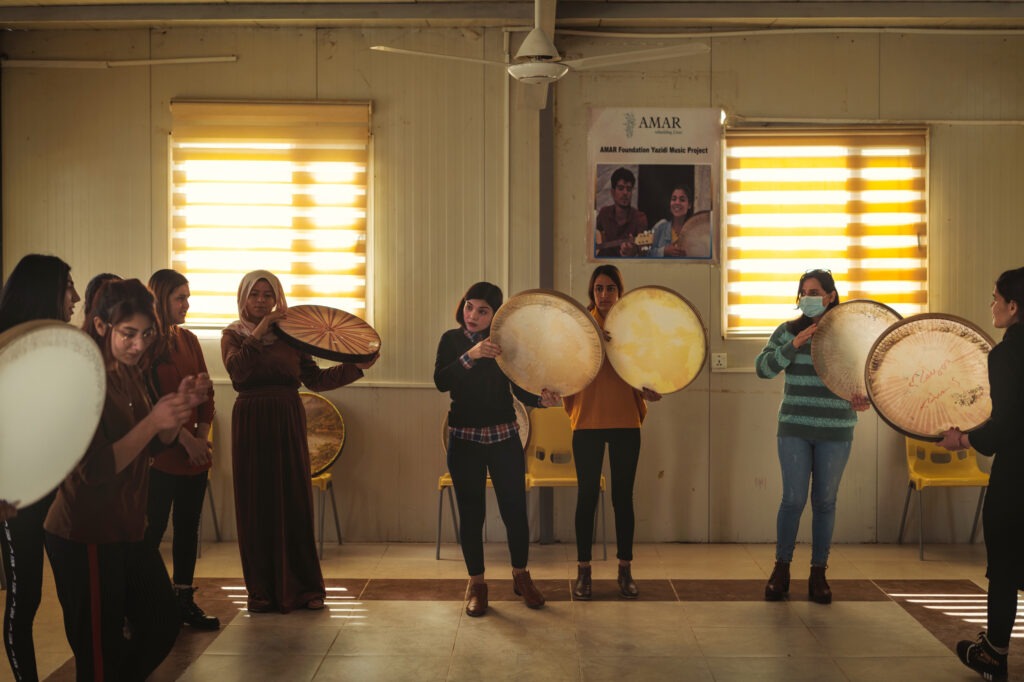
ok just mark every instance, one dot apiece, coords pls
pixel 269 319
pixel 550 399
pixel 805 335
pixel 8 510
pixel 484 349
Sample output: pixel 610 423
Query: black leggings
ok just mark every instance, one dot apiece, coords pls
pixel 22 541
pixel 623 456
pixel 186 493
pixel 468 463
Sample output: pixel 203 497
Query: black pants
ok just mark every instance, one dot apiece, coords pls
pixel 21 539
pixel 623 455
pixel 186 493
pixel 109 591
pixel 468 463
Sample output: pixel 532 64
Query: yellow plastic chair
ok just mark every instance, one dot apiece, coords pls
pixel 549 462
pixel 932 466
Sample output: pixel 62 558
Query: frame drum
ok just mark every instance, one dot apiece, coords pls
pixel 657 339
pixel 522 419
pixel 325 431
pixel 52 389
pixel 840 345
pixel 697 236
pixel 329 333
pixel 547 340
pixel 928 373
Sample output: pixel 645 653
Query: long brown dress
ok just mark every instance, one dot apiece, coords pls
pixel 273 498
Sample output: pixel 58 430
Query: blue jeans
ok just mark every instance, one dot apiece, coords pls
pixel 819 464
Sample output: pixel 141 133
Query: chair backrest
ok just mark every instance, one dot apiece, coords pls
pixel 549 454
pixel 929 459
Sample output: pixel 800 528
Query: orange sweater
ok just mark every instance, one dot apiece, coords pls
pixel 608 402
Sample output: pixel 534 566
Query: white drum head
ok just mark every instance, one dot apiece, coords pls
pixel 52 388
pixel 840 345
pixel 657 339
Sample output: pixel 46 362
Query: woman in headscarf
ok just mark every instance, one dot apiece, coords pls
pixel 269 453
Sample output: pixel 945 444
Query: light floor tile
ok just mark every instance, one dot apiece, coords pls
pixel 517 667
pixel 724 642
pixel 383 668
pixel 645 669
pixel 931 669
pixel 741 614
pixel 789 669
pixel 252 666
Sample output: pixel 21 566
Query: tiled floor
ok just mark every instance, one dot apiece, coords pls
pixel 395 613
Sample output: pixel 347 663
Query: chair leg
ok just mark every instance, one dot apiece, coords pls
pixel 322 501
pixel 906 506
pixel 334 508
pixel 920 519
pixel 977 514
pixel 604 528
pixel 440 505
pixel 455 518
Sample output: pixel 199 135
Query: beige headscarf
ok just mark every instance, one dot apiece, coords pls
pixel 245 326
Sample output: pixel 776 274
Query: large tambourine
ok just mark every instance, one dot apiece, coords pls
pixel 329 333
pixel 522 420
pixel 325 431
pixel 52 388
pixel 840 345
pixel 656 339
pixel 547 340
pixel 928 373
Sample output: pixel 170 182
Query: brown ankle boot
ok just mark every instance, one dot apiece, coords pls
pixel 627 587
pixel 523 585
pixel 817 587
pixel 778 584
pixel 477 605
pixel 583 588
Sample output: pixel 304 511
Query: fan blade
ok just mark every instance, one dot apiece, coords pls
pixel 620 58
pixel 417 53
pixel 531 97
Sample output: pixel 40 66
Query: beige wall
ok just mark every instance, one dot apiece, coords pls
pixel 454 201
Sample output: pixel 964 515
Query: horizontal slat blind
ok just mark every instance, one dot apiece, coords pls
pixel 271 186
pixel 853 202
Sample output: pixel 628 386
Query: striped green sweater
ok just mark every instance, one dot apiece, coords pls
pixel 809 410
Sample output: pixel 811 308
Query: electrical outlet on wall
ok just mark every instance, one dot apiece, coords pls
pixel 719 360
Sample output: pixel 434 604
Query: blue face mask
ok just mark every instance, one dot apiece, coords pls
pixel 811 306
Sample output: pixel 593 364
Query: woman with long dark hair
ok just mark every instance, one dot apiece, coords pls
pixel 814 437
pixel 1003 516
pixel 608 412
pixel 39 288
pixel 109 580
pixel 180 472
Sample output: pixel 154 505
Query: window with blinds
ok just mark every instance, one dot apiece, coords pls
pixel 853 202
pixel 269 186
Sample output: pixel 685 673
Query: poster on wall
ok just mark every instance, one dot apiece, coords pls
pixel 654 184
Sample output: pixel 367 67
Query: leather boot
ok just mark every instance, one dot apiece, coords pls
pixel 192 614
pixel 778 584
pixel 477 605
pixel 627 588
pixel 583 588
pixel 523 585
pixel 817 587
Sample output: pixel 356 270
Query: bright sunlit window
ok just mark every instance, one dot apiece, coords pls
pixel 279 187
pixel 853 202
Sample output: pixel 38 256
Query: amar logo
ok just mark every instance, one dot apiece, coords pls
pixel 629 123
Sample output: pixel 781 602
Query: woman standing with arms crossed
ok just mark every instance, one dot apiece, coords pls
pixel 1003 515
pixel 119 612
pixel 814 437
pixel 180 472
pixel 608 411
pixel 269 452
pixel 483 436
pixel 39 288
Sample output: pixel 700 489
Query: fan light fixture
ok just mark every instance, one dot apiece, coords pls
pixel 537 73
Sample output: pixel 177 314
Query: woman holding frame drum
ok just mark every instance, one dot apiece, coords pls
pixel 484 437
pixel 1003 515
pixel 39 288
pixel 814 437
pixel 179 473
pixel 608 411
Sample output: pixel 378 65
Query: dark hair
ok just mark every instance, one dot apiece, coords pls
pixel 34 290
pixel 162 284
pixel 1010 286
pixel 623 174
pixel 609 271
pixel 689 198
pixel 828 283
pixel 484 291
pixel 117 302
pixel 92 290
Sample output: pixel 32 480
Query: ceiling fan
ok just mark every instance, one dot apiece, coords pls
pixel 538 63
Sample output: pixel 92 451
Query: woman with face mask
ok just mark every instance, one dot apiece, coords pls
pixel 814 437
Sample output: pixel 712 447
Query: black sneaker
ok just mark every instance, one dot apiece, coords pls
pixel 982 658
